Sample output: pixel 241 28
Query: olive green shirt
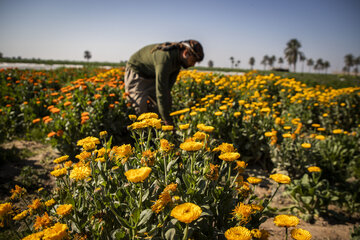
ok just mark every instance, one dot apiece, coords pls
pixel 163 67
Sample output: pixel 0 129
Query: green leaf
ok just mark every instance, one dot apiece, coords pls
pixel 170 234
pixel 145 216
pixel 118 234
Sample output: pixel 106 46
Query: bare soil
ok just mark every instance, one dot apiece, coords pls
pixel 38 157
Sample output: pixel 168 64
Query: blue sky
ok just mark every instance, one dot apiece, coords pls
pixel 113 30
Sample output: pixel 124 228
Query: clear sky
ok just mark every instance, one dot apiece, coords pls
pixel 113 30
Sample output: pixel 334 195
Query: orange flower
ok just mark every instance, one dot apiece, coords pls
pixel 51 134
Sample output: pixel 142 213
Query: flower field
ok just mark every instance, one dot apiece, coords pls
pixel 123 176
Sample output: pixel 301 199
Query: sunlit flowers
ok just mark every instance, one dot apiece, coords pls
pixel 64 209
pixel 254 180
pixel 314 169
pixel 286 221
pixel 225 147
pixel 17 192
pixel 80 172
pixel 242 213
pixel 138 175
pixel 229 156
pixel 191 146
pixel 205 128
pixel 5 208
pixel 61 159
pixel 238 233
pixel 306 145
pixel 58 231
pixel 300 234
pixel 88 142
pixel 123 152
pixel 186 212
pixel 59 172
pixel 36 203
pixel 184 126
pixel 21 215
pixel 280 178
pixel 50 202
pixel 42 222
pixel 165 146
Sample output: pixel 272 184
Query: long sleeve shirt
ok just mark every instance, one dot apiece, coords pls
pixel 163 67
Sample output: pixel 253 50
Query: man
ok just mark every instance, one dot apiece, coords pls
pixel 152 71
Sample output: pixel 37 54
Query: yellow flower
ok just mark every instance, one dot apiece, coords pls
pixel 64 209
pixel 21 215
pixel 5 208
pixel 35 204
pixel 186 212
pixel 103 134
pixel 337 131
pixel 314 169
pixel 42 222
pixel 165 146
pixel 242 213
pixel 59 172
pixel 218 113
pixel 167 128
pixel 200 136
pixel 88 140
pixel 132 117
pixel 61 159
pixel 256 233
pixel 229 156
pixel 17 192
pixel 123 152
pixel 237 114
pixel 56 232
pixel 138 175
pixel 34 236
pixel 280 178
pixel 191 146
pixel 225 147
pixel 287 135
pixel 164 198
pixel 300 234
pixel 147 116
pixel 286 221
pixel 306 145
pixel 80 172
pixel 238 233
pixel 184 126
pixel 254 180
pixel 205 128
pixel 50 202
pixel 320 137
pixel 152 122
pixel 214 172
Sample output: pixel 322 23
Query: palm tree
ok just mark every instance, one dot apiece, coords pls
pixel 302 59
pixel 210 64
pixel 232 62
pixel 252 62
pixel 87 55
pixel 280 61
pixel 271 60
pixel 310 63
pixel 349 62
pixel 319 65
pixel 265 61
pixel 292 52
pixel 326 66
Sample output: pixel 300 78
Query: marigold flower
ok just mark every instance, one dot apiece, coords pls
pixel 306 145
pixel 191 146
pixel 51 134
pixel 123 152
pixel 5 209
pixel 184 126
pixel 314 169
pixel 132 117
pixel 225 147
pixel 337 131
pixel 205 128
pixel 61 159
pixel 147 116
pixel 35 204
pixel 87 140
pixel 34 236
pixel 320 137
pixel 59 172
pixel 21 215
pixel 186 212
pixel 286 221
pixel 56 232
pixel 42 222
pixel 165 146
pixel 164 198
pixel 64 209
pixel 50 202
pixel 103 134
pixel 280 178
pixel 229 156
pixel 300 234
pixel 238 233
pixel 80 172
pixel 242 213
pixel 214 172
pixel 17 192
pixel 256 233
pixel 138 175
pixel 167 128
pixel 254 180
pixel 200 136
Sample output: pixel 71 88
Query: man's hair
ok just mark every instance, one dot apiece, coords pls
pixel 193 45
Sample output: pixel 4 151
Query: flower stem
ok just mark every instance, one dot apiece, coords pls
pixel 186 232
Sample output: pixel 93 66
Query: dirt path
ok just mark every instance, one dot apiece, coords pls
pixel 28 164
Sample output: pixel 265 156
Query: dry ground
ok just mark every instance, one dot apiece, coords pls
pixel 37 160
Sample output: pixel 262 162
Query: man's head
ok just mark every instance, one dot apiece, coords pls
pixel 191 52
